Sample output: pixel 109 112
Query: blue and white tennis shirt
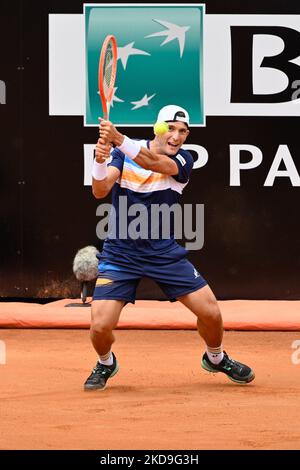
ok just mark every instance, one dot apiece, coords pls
pixel 147 188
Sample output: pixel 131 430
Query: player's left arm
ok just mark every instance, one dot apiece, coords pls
pixel 156 162
pixel 179 166
pixel 144 157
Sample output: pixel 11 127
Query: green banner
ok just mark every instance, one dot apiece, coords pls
pixel 160 61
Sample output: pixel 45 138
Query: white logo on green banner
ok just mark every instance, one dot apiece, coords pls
pixel 160 61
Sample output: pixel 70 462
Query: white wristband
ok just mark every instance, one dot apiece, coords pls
pixel 99 171
pixel 131 148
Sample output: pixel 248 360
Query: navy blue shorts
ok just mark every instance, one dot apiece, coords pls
pixel 119 276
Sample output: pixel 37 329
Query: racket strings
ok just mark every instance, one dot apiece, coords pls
pixel 108 69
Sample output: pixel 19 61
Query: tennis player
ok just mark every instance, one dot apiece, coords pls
pixel 149 172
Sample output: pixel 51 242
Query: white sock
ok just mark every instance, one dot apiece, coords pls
pixel 106 359
pixel 215 355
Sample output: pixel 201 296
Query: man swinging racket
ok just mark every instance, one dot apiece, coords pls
pixel 149 172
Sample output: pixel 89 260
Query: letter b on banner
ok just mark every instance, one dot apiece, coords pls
pixel 243 58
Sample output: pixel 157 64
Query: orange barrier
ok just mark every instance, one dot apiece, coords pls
pixel 237 315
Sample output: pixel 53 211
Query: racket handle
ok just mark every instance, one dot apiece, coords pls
pixel 106 116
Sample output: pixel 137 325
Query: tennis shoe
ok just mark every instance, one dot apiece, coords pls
pixel 100 375
pixel 236 371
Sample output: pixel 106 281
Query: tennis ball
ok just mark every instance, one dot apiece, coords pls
pixel 160 128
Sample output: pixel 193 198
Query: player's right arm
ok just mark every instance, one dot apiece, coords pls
pixel 101 188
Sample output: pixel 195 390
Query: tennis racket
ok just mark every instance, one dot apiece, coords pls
pixel 107 73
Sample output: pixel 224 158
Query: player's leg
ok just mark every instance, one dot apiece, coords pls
pixel 105 317
pixel 180 280
pixel 115 286
pixel 203 304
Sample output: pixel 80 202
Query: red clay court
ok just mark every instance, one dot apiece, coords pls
pixel 161 398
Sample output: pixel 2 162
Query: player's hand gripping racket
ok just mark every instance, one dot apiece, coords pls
pixel 107 73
